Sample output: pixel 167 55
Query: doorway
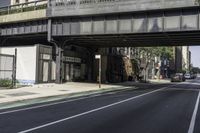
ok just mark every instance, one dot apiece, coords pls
pixel 46 71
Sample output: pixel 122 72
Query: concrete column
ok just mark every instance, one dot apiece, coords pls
pixel 90 64
pixel 59 55
pixel 90 67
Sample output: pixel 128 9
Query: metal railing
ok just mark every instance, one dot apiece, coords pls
pixel 23 7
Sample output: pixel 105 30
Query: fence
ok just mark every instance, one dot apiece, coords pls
pixel 7 70
pixel 23 7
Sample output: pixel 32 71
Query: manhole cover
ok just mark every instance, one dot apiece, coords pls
pixel 21 94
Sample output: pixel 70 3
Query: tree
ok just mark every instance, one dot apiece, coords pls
pixel 149 53
pixel 197 2
pixel 195 70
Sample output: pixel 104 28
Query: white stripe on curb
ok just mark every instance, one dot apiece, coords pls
pixel 193 120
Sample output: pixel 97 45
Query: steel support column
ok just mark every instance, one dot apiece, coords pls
pixel 90 64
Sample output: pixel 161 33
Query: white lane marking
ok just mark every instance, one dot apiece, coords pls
pixel 56 103
pixel 89 112
pixel 61 102
pixel 40 106
pixel 180 89
pixel 193 120
pixel 191 83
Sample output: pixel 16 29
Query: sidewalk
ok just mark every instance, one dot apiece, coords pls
pixel 160 81
pixel 49 92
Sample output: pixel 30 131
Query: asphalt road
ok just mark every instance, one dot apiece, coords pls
pixel 169 108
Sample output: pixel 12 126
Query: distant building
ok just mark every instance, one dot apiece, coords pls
pixel 178 59
pixel 185 58
pixel 190 62
pixel 116 64
pixel 4 3
pixel 182 58
pixel 13 2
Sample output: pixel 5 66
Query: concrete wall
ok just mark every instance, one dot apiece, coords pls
pixel 26 62
pixel 64 8
pixel 185 20
pixel 24 16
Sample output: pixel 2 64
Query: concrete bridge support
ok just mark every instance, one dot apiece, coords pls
pixel 59 56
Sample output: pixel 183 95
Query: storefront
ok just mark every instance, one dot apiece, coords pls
pixel 74 69
pixel 46 66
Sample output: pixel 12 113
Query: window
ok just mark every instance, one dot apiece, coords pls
pixel 16 1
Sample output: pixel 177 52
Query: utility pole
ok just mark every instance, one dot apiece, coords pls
pixel 98 57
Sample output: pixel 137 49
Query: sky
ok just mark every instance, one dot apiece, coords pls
pixel 195 55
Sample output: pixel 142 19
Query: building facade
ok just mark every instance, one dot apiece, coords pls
pixel 4 3
pixel 36 64
pixel 185 58
pixel 182 59
pixel 116 64
pixel 13 2
pixel 190 61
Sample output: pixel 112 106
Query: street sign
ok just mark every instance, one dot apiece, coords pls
pixel 97 56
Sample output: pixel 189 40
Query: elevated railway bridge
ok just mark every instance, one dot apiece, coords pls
pixel 101 23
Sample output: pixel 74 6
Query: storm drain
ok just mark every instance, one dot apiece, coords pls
pixel 21 94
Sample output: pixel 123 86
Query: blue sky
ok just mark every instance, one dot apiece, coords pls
pixel 195 51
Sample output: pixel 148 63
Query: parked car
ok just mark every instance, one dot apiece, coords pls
pixel 188 76
pixel 178 77
pixel 193 76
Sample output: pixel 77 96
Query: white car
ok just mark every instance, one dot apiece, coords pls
pixel 187 76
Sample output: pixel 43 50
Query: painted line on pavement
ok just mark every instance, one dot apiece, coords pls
pixel 193 120
pixel 180 89
pixel 91 111
pixel 56 103
pixel 61 102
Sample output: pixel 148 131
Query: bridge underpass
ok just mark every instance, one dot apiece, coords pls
pixel 87 24
pixel 167 27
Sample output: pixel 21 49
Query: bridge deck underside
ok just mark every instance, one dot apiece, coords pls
pixel 135 40
pixel 170 27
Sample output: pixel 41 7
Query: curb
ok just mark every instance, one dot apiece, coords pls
pixel 45 99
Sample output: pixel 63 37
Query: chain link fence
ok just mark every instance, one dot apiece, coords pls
pixel 7 70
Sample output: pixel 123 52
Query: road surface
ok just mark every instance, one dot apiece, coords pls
pixel 169 108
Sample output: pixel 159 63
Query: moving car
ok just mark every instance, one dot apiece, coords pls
pixel 178 77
